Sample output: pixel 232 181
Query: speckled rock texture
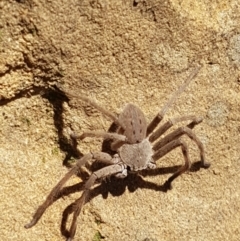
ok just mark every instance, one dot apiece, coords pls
pixel 118 52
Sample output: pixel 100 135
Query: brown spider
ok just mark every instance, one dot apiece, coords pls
pixel 135 150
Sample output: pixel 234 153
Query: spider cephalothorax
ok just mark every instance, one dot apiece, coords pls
pixel 137 147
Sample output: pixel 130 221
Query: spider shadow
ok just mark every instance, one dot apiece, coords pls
pixel 116 187
pixel 112 185
pixel 57 97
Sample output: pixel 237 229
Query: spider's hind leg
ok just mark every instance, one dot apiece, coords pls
pixel 157 119
pixel 78 204
pixel 171 122
pixel 159 145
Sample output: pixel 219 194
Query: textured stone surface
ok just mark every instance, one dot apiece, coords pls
pixel 119 52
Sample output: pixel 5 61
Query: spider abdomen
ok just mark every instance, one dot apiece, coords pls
pixel 134 122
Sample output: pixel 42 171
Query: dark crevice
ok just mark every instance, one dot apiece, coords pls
pixel 27 92
pixel 135 3
pixel 11 68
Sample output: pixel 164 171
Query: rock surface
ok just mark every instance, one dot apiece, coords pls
pixel 118 52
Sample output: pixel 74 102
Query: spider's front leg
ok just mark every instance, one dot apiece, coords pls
pixel 56 191
pixel 116 169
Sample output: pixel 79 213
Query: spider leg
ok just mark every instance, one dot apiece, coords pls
pixel 156 120
pixel 176 134
pixel 105 135
pixel 167 148
pixel 162 129
pixel 76 208
pixel 54 194
pixel 105 112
